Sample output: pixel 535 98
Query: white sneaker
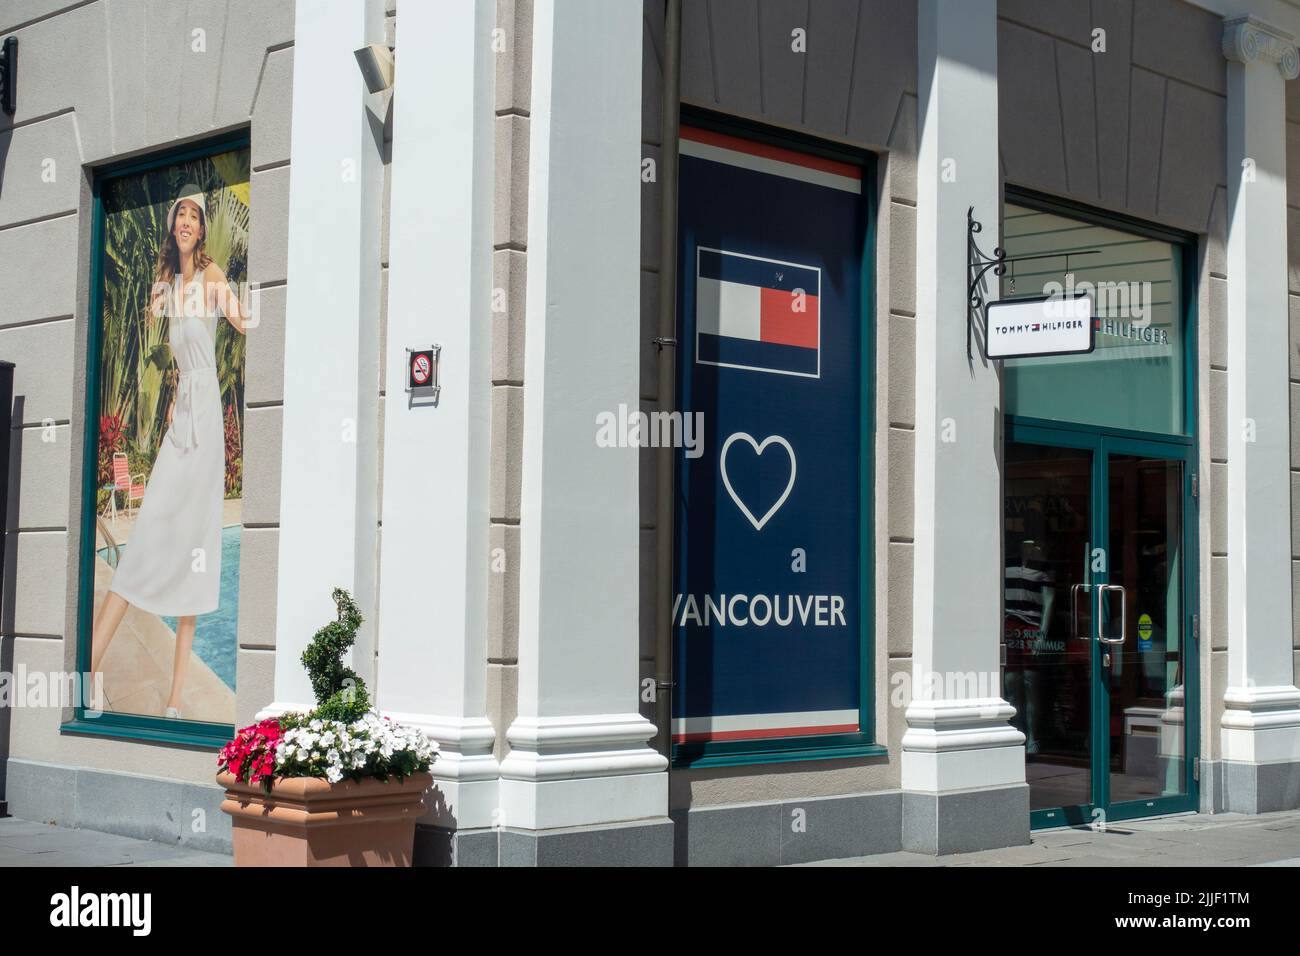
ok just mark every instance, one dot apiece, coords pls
pixel 173 712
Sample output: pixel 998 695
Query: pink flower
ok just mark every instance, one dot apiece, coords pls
pixel 251 755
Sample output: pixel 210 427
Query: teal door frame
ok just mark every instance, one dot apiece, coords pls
pixel 1103 443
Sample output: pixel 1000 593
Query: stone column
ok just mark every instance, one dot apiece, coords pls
pixel 434 559
pixel 963 767
pixel 328 473
pixel 1260 729
pixel 578 753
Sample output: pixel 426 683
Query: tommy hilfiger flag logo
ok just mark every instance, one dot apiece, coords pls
pixel 757 314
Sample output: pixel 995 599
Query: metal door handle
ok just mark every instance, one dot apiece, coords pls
pixel 1074 611
pixel 1123 613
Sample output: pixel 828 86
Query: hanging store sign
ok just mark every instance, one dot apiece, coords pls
pixel 1046 325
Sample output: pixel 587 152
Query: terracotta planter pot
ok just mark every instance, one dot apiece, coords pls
pixel 305 821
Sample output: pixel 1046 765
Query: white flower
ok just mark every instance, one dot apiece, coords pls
pixel 332 748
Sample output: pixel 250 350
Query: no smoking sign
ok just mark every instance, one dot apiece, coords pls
pixel 422 369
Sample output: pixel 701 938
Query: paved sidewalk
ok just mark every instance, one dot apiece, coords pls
pixel 1225 839
pixel 24 843
pixel 1228 839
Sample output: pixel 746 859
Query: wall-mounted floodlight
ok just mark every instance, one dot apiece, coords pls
pixel 8 74
pixel 376 62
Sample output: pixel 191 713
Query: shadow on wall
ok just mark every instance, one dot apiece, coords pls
pixel 6 135
pixel 10 462
pixel 433 845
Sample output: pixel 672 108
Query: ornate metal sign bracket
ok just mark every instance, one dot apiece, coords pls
pixel 979 264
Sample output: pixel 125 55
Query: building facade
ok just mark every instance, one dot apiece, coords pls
pixel 722 539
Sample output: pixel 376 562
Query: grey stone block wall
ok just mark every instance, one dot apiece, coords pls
pixel 1231 787
pixel 1139 128
pixel 264 399
pixel 509 277
pixel 636 843
pixel 791 831
pixel 142 807
pixel 965 821
pixel 860 62
pixel 382 109
pixel 435 846
pixel 1293 301
pixel 652 53
pixel 145 76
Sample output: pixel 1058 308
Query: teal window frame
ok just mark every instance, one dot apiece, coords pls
pixel 1104 440
pixel 819 746
pixel 187 733
pixel 1185 242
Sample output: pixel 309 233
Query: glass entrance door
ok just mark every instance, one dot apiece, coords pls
pixel 1097 622
pixel 1047 660
pixel 1142 641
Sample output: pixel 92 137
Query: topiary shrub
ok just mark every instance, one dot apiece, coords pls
pixel 340 693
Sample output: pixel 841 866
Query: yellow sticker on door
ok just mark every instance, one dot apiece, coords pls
pixel 1144 632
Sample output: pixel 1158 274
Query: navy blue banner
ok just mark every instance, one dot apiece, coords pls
pixel 768 618
pixel 759 272
pixel 758 355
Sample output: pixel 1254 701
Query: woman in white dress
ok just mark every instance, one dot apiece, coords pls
pixel 171 564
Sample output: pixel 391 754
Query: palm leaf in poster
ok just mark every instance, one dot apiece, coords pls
pixel 233 170
pixel 227 230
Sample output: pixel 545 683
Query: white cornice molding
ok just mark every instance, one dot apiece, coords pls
pixel 1248 39
pixel 589 745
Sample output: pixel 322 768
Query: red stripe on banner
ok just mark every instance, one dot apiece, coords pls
pixel 764 733
pixel 735 143
pixel 781 324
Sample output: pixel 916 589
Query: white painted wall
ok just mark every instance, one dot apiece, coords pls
pixel 1261 722
pixel 328 472
pixel 956 738
pixel 434 551
pixel 578 583
pixel 578 752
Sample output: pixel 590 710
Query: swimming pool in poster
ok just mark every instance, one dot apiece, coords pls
pixel 214 634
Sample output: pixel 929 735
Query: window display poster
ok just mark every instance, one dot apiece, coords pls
pixel 167 417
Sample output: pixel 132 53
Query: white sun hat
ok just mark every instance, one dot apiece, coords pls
pixel 195 195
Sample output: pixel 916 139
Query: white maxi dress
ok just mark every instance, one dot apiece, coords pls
pixel 171 564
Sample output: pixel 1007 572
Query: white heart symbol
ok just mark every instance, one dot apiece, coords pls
pixel 758 450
